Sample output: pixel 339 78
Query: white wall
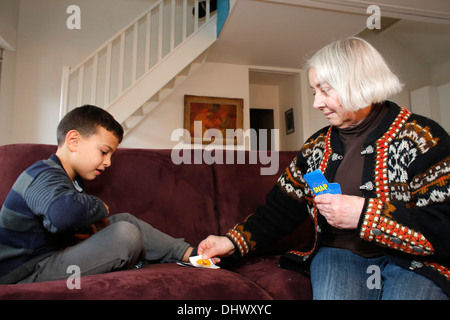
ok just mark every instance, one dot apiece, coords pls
pixel 433 102
pixel 222 80
pixel 290 97
pixel 45 44
pixel 409 69
pixel 211 79
pixel 440 74
pixel 9 22
pixel 426 90
pixel 444 104
pixel 263 96
pixel 284 92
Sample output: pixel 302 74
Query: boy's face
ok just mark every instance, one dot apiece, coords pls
pixel 94 153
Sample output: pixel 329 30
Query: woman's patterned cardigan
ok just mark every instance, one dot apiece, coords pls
pixel 406 184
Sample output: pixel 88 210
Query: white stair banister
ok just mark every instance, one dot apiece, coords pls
pixel 162 73
pixel 131 54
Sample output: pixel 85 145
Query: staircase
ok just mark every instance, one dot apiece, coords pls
pixel 137 68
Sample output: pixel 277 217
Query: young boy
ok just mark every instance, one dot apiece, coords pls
pixel 48 223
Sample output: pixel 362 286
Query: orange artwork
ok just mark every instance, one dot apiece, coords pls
pixel 204 262
pixel 219 114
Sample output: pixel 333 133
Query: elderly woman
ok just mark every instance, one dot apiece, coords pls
pixel 393 166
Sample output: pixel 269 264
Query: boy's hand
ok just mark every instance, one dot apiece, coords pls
pixel 214 247
pixel 100 224
pixel 107 208
pixel 93 228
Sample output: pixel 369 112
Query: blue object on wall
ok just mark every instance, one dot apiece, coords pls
pixel 223 9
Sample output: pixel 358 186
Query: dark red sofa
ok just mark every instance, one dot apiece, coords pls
pixel 188 201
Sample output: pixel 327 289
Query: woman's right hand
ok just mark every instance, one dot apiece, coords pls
pixel 214 247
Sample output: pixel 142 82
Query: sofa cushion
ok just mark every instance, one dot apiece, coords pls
pixel 154 282
pixel 281 284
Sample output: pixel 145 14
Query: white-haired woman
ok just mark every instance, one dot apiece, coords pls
pixel 387 235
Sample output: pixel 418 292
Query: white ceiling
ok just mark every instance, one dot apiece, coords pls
pixel 278 35
pixel 430 42
pixel 284 33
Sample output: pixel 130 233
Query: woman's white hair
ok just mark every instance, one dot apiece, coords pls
pixel 357 71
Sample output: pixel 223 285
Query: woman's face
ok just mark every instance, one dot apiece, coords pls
pixel 326 100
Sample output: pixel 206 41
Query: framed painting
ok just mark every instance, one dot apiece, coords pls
pixel 213 120
pixel 289 121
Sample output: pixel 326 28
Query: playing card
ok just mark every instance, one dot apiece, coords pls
pixel 334 188
pixel 199 262
pixel 319 184
pixel 185 264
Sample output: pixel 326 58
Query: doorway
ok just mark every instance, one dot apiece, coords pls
pixel 262 121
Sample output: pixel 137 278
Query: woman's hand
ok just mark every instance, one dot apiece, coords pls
pixel 341 211
pixel 214 247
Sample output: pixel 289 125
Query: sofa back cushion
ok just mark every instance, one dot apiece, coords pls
pixel 16 158
pixel 188 201
pixel 176 199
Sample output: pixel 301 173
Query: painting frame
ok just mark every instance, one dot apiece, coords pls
pixel 216 113
pixel 289 121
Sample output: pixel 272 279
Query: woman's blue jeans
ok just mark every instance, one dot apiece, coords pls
pixel 338 274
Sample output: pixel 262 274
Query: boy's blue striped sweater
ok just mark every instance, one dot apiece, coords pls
pixel 41 214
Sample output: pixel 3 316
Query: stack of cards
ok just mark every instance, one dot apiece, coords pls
pixel 319 184
pixel 199 262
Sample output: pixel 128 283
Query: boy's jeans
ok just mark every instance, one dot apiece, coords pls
pixel 120 245
pixel 338 274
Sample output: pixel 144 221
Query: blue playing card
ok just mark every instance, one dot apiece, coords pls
pixel 319 184
pixel 334 188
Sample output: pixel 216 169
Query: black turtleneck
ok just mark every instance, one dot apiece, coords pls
pixel 349 176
